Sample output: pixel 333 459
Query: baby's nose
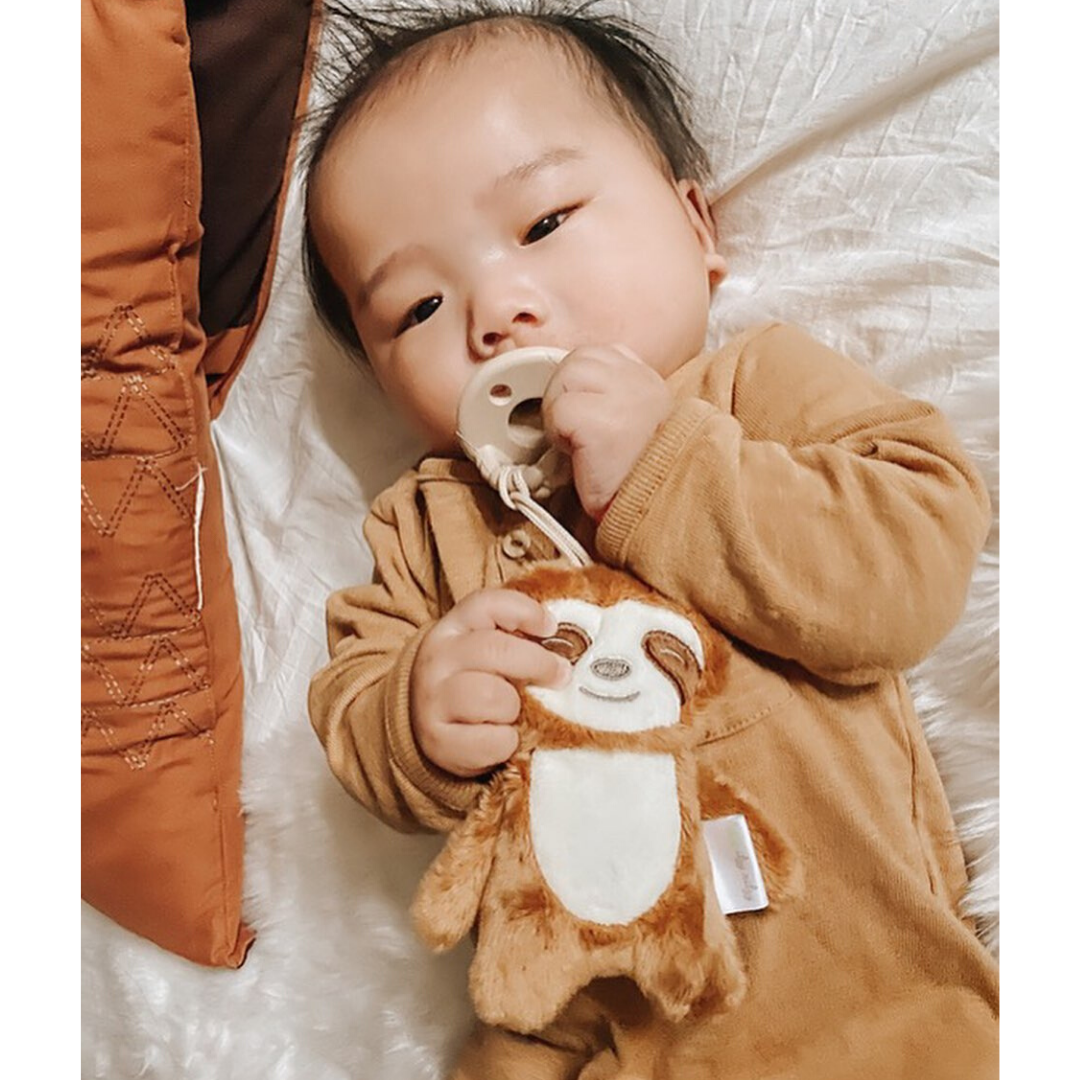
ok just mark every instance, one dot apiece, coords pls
pixel 507 310
pixel 515 334
pixel 610 667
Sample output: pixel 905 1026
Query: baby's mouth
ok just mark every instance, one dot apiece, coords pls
pixel 609 697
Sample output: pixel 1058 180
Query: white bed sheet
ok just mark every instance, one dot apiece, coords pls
pixel 855 150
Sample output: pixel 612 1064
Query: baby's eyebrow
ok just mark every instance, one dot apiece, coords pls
pixel 557 155
pixel 382 271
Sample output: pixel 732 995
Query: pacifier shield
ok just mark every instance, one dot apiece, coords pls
pixel 499 411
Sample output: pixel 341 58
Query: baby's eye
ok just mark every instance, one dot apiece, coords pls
pixel 547 224
pixel 421 313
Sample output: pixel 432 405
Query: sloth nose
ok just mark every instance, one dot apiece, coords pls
pixel 610 667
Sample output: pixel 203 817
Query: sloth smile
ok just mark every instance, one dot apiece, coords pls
pixel 609 697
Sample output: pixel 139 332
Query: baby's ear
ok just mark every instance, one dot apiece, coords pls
pixel 692 196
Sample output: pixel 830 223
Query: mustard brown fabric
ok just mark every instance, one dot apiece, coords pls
pixel 829 526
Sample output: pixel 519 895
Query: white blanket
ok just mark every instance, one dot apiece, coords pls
pixel 855 150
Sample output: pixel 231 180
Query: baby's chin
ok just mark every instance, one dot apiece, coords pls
pixel 442 444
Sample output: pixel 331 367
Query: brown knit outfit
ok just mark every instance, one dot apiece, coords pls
pixel 828 525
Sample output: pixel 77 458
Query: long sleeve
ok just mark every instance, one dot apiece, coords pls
pixel 806 509
pixel 359 703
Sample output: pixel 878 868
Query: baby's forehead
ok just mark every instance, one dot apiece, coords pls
pixel 509 39
pixel 492 50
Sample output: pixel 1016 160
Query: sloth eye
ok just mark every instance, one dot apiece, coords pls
pixel 674 659
pixel 568 641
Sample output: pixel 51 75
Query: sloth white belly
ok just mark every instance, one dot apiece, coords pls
pixel 605 827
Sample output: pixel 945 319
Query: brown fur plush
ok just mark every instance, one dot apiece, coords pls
pixel 532 952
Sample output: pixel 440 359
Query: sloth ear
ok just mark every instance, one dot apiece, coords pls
pixel 675 660
pixel 569 641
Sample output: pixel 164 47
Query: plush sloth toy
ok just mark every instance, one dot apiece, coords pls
pixel 584 856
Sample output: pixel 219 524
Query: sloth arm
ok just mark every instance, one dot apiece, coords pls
pixel 719 797
pixel 803 507
pixel 448 898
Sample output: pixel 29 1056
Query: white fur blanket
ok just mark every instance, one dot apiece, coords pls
pixel 855 149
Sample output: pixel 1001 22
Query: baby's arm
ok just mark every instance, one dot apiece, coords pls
pixel 825 518
pixel 411 705
pixel 359 702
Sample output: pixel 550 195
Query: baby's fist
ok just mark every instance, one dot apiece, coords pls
pixel 602 407
pixel 463 684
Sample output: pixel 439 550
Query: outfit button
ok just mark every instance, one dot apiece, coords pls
pixel 516 544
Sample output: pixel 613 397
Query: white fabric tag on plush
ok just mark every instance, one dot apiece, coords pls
pixel 736 874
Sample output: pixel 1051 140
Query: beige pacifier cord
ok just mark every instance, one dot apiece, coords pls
pixel 516 462
pixel 514 491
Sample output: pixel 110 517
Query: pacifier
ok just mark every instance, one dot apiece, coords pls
pixel 498 420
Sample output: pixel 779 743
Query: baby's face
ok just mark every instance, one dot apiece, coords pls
pixel 496 202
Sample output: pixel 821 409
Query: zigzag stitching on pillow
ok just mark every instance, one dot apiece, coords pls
pixel 159 647
pixel 135 758
pixel 96 354
pixel 142 467
pixel 133 386
pixel 138 757
pixel 119 631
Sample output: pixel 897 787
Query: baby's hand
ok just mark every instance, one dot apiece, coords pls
pixel 602 406
pixel 463 702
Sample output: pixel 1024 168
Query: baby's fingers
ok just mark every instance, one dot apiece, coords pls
pixel 478 748
pixel 502 609
pixel 476 697
pixel 570 416
pixel 477 730
pixel 517 659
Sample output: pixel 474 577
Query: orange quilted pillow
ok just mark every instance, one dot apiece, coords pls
pixel 162 831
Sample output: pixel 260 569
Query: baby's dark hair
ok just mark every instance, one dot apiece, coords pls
pixel 367 51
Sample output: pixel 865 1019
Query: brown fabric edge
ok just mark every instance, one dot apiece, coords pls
pixel 226 352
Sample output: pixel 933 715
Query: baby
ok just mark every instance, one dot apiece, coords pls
pixel 487 182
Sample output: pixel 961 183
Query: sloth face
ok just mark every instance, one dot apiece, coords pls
pixel 635 665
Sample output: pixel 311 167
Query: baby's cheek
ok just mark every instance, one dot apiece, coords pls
pixel 427 397
pixel 439 427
